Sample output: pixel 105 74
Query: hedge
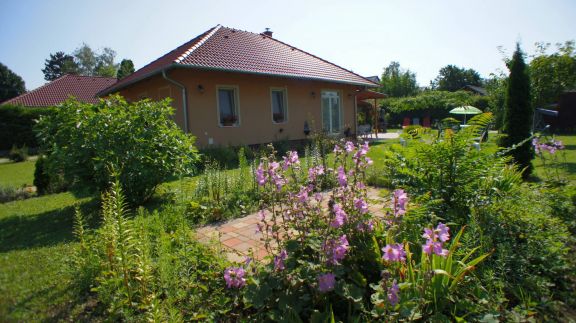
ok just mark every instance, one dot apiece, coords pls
pixel 16 125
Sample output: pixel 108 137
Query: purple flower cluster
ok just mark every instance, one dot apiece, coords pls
pixel 326 282
pixel 361 205
pixel 314 172
pixel 234 277
pixel 272 173
pixel 290 160
pixel 336 249
pixel 551 146
pixel 340 216
pixel 435 240
pixel 342 179
pixel 394 252
pixel 279 260
pixel 400 201
pixel 393 293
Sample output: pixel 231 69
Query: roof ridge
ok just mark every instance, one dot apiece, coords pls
pixel 197 44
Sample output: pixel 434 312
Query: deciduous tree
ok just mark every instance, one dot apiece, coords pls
pixel 11 84
pixel 398 82
pixel 453 78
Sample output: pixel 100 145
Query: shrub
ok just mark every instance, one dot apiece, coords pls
pixel 138 140
pixel 150 268
pixel 8 194
pixel 46 182
pixel 18 154
pixel 16 125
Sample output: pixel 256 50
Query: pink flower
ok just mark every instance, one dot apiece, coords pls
pixel 326 282
pixel 361 205
pixel 394 252
pixel 443 232
pixel 336 249
pixel 340 216
pixel 400 201
pixel 313 172
pixel 435 240
pixel 260 176
pixel 342 176
pixel 291 159
pixel 303 195
pixel 234 277
pixel 349 146
pixel 279 260
pixel 393 293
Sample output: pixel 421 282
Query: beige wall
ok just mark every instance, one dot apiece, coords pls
pixel 256 125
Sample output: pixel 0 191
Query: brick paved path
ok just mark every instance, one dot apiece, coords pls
pixel 240 237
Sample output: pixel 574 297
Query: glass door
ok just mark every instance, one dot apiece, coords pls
pixel 331 112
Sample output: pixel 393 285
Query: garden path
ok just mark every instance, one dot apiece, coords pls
pixel 240 237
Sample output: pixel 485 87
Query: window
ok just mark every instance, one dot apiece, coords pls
pixel 331 112
pixel 279 106
pixel 228 106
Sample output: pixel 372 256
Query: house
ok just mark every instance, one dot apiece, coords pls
pixel 233 87
pixel 83 88
pixel 475 89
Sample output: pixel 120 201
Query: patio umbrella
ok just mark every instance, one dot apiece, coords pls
pixel 465 110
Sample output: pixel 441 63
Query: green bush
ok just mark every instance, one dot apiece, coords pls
pixel 16 125
pixel 46 182
pixel 18 154
pixel 149 268
pixel 88 143
pixel 8 194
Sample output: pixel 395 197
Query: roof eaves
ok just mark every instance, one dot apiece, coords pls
pixel 198 44
pixel 294 76
pixel 23 95
pixel 114 87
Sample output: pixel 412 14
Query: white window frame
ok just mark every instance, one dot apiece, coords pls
pixel 236 91
pixel 284 91
pixel 340 112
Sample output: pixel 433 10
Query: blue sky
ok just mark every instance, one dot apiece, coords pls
pixel 364 36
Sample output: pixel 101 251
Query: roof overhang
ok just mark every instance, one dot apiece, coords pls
pixel 368 94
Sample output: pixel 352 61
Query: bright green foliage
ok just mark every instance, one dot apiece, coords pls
pixel 552 74
pixel 519 112
pixel 138 140
pixel 397 82
pixel 453 78
pixel 58 65
pixel 496 88
pixel 126 68
pixel 150 268
pixel 433 103
pixel 11 84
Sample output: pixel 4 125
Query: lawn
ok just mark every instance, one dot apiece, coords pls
pixel 17 174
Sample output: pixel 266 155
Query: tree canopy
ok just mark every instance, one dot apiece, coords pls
pixel 554 73
pixel 11 84
pixel 59 64
pixel 398 82
pixel 126 68
pixel 454 78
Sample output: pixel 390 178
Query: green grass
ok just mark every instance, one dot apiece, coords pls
pixel 562 165
pixel 36 242
pixel 17 174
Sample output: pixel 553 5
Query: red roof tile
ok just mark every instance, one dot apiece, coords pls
pixel 222 48
pixel 84 88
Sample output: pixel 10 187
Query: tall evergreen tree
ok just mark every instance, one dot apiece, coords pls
pixel 11 84
pixel 59 64
pixel 126 68
pixel 518 113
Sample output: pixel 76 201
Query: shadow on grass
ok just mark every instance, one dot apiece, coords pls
pixel 43 229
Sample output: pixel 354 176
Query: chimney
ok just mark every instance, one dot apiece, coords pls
pixel 268 32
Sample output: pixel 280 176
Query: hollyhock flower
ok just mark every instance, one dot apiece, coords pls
pixel 313 172
pixel 336 249
pixel 361 205
pixel 342 176
pixel 340 216
pixel 260 176
pixel 443 232
pixel 349 146
pixel 435 240
pixel 326 282
pixel 279 260
pixel 318 197
pixel 302 195
pixel 291 159
pixel 234 277
pixel 394 252
pixel 337 149
pixel 400 201
pixel 368 226
pixel 393 293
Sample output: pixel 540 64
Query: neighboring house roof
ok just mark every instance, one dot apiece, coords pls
pixel 226 49
pixel 374 79
pixel 83 88
pixel 476 89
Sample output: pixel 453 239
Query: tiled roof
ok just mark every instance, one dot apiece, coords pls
pixel 84 88
pixel 226 49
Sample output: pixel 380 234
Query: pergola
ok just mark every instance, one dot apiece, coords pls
pixel 365 95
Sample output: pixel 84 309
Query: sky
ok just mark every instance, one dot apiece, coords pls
pixel 362 36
